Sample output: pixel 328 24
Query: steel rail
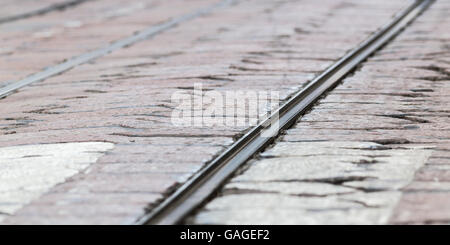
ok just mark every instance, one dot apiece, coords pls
pixel 125 42
pixel 202 185
pixel 54 7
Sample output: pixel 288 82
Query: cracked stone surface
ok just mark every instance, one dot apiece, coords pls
pixel 32 44
pixel 10 8
pixel 348 160
pixel 322 182
pixel 29 171
pixel 383 133
pixel 124 97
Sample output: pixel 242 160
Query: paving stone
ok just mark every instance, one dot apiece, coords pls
pixel 278 209
pixel 80 28
pixel 12 8
pixel 288 188
pixel 423 208
pixel 29 171
pixel 390 118
pixel 125 97
pixel 358 172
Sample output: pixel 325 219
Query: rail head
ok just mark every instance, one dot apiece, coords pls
pixel 198 189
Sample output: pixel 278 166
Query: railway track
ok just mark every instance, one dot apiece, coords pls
pixel 97 53
pixel 44 10
pixel 203 185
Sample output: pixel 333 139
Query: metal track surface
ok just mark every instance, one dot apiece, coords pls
pixel 86 57
pixel 201 186
pixel 55 7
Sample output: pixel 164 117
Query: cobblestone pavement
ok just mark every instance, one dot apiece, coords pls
pixel 11 10
pixel 115 112
pixel 374 151
pixel 32 44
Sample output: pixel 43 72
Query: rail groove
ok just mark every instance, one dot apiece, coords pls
pixel 86 57
pixel 45 10
pixel 202 185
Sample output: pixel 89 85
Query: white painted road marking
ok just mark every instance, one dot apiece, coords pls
pixel 28 171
